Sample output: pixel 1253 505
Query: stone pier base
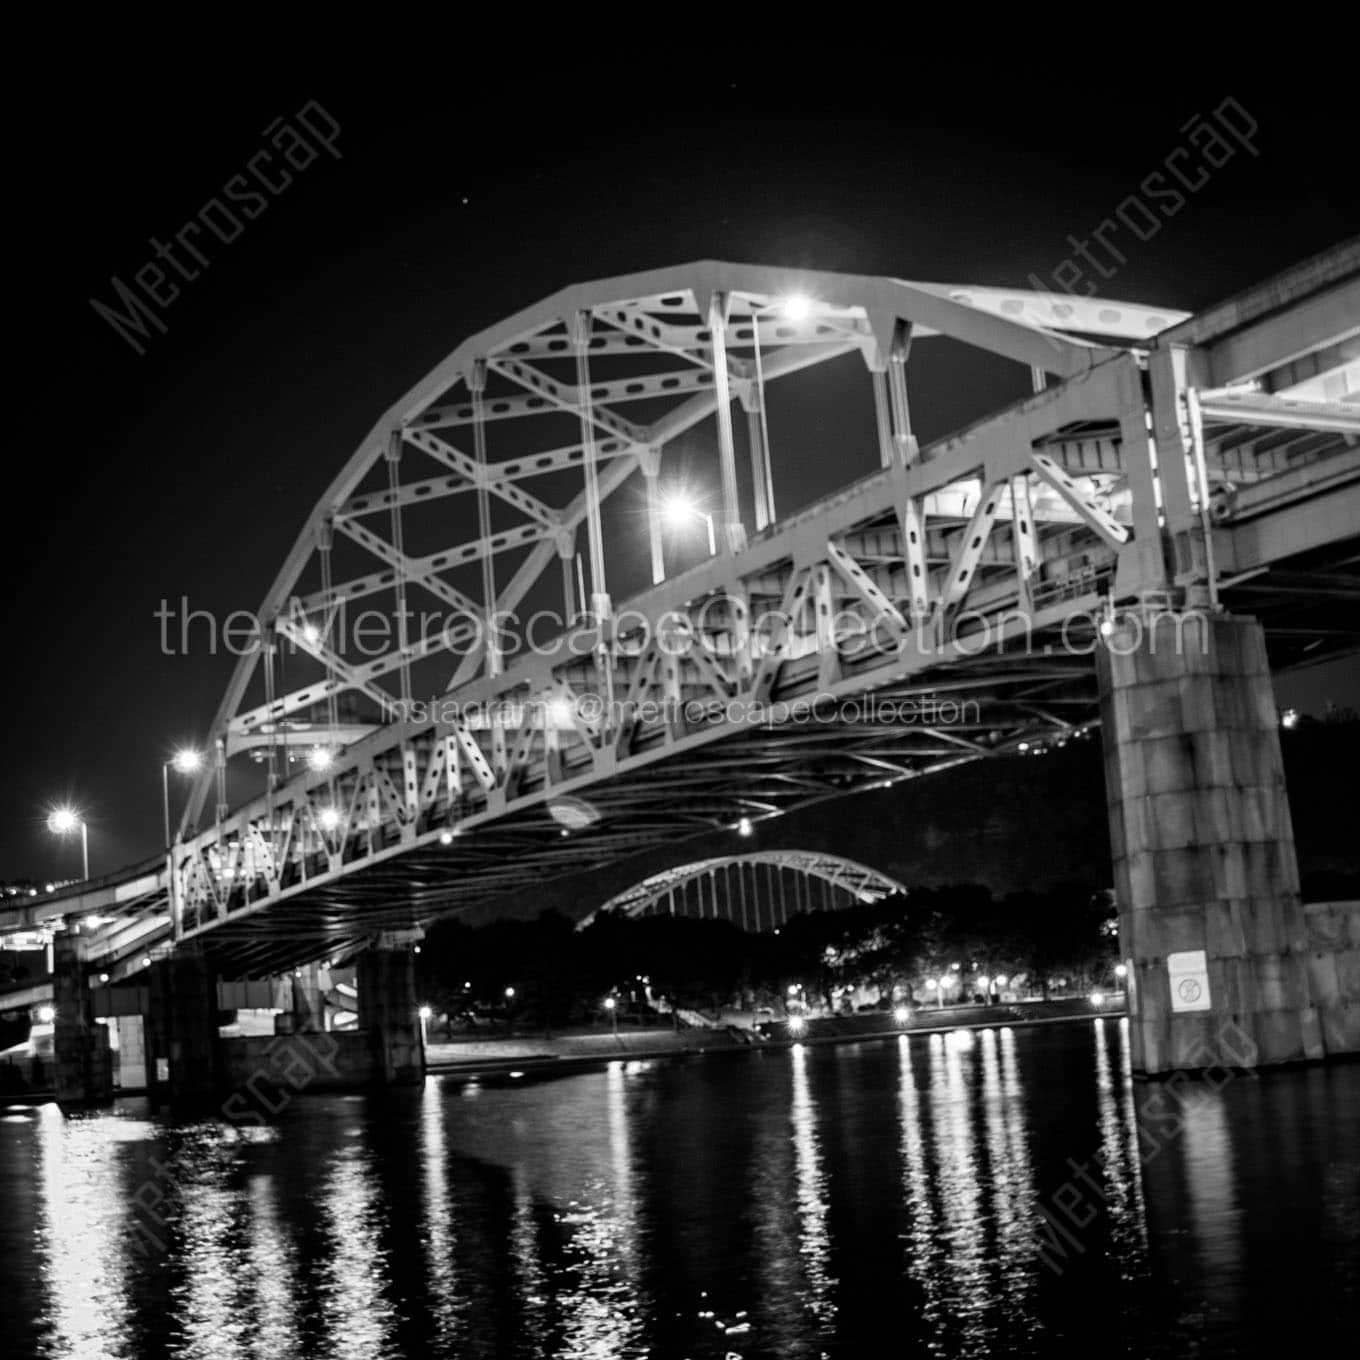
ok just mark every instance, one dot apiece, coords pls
pixel 1222 968
pixel 184 1057
pixel 389 1014
pixel 80 1044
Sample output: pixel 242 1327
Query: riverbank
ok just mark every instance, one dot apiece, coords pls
pixel 507 1057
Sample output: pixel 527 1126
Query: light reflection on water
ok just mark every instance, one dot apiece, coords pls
pixel 721 1206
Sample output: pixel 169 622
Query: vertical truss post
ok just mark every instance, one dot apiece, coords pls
pixel 394 442
pixel 649 459
pixel 599 596
pixel 220 762
pixel 325 539
pixel 753 401
pixel 477 386
pixel 734 532
pixel 882 416
pixel 1142 564
pixel 903 439
pixel 1184 501
pixel 270 692
pixel 1024 539
pixel 566 554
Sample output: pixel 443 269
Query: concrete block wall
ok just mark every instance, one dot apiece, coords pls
pixel 1334 971
pixel 388 1013
pixel 82 1057
pixel 1203 847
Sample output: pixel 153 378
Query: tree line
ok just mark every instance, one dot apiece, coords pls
pixel 544 971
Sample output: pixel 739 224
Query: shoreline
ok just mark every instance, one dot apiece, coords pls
pixel 515 1065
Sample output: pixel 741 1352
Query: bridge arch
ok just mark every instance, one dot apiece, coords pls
pixel 758 891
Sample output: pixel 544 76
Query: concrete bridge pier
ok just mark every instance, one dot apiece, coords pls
pixel 1222 971
pixel 389 1011
pixel 184 1057
pixel 80 1044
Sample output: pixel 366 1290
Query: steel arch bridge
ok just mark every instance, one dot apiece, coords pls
pixel 759 891
pixel 1147 455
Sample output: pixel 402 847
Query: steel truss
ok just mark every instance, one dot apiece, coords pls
pixel 970 572
pixel 753 891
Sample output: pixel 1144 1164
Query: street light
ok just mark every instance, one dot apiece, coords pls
pixel 678 510
pixel 62 821
pixel 612 1007
pixel 185 762
pixel 320 758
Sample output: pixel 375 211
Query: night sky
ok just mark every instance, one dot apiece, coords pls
pixel 462 194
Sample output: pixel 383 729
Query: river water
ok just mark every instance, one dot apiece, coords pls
pixel 1003 1192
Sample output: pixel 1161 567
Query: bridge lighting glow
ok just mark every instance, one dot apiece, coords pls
pixel 187 760
pixel 573 814
pixel 146 960
pixel 46 1015
pixel 797 1025
pixel 509 993
pixel 311 633
pixel 901 1014
pixel 328 818
pixel 796 307
pixel 1097 998
pixel 1121 970
pixel 1106 627
pixel 744 827
pixel 446 837
pixel 678 511
pixel 560 710
pixel 320 758
pixel 62 821
pixel 1290 717
pixel 103 977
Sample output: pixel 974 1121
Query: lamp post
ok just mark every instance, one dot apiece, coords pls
pixel 612 1007
pixel 678 510
pixel 64 820
pixel 186 762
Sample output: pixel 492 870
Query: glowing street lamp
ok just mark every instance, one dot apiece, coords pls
pixel 185 761
pixel 744 827
pixel 320 758
pixel 612 1007
pixel 679 510
pixel 62 821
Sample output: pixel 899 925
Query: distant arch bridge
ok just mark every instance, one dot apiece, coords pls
pixel 759 891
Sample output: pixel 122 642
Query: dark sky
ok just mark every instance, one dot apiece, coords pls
pixel 474 178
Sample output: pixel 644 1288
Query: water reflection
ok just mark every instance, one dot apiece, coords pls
pixel 357 1317
pixel 753 1204
pixel 84 1240
pixel 1118 1161
pixel 814 1241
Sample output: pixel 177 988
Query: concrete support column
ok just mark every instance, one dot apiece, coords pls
pixel 1210 919
pixel 83 1059
pixel 389 1012
pixel 307 1013
pixel 183 1047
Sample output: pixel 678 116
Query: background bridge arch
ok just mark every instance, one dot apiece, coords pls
pixel 758 891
